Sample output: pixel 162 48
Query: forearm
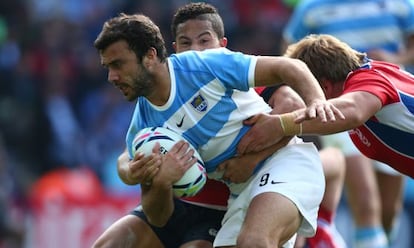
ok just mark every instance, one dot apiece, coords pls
pixel 292 72
pixel 303 82
pixel 316 127
pixel 156 199
pixel 157 203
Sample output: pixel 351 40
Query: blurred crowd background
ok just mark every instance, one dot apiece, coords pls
pixel 57 110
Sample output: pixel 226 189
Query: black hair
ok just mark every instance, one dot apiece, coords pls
pixel 138 30
pixel 199 11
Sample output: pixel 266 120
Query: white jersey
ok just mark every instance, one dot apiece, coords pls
pixel 210 97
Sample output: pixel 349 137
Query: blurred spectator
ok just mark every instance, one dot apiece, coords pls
pixel 11 227
pixel 105 116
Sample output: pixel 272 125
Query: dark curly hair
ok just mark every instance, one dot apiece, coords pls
pixel 199 11
pixel 137 30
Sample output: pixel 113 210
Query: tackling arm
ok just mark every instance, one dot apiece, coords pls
pixel 294 72
pixel 357 107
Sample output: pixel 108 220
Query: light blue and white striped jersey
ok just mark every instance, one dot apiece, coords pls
pixel 364 25
pixel 210 97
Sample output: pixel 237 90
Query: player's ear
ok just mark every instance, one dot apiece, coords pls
pixel 150 58
pixel 223 42
pixel 151 53
pixel 174 45
pixel 326 86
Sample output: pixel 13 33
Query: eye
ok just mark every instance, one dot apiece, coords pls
pixel 185 43
pixel 116 65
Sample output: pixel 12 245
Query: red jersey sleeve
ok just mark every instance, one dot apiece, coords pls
pixel 374 82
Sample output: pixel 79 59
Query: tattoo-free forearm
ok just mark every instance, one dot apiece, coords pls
pixel 157 203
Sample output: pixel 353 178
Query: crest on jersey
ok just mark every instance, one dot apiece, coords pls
pixel 199 103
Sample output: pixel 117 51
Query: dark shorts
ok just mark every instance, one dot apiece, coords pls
pixel 188 222
pixel 268 92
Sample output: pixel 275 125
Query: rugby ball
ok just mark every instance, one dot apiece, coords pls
pixel 193 179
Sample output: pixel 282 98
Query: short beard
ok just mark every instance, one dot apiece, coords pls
pixel 143 85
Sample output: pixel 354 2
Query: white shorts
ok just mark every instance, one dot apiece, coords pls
pixel 343 142
pixel 299 167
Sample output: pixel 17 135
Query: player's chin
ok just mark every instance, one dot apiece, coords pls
pixel 130 97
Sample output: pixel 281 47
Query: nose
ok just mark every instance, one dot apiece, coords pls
pixel 196 47
pixel 112 76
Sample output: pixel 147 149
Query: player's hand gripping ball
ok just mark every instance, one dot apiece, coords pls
pixel 193 179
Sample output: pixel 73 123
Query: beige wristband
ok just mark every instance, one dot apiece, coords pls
pixel 287 122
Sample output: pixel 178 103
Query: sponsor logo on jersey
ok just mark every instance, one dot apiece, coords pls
pixel 199 103
pixel 180 124
pixel 361 136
